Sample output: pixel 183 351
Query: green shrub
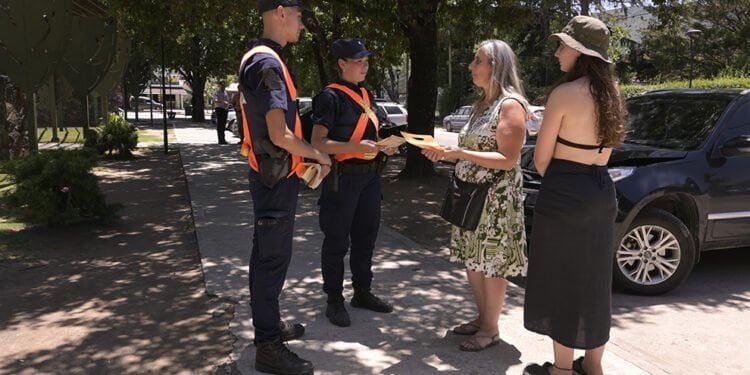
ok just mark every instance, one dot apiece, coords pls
pixel 92 139
pixel 57 187
pixel 716 83
pixel 118 135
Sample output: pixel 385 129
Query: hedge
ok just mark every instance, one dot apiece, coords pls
pixel 716 83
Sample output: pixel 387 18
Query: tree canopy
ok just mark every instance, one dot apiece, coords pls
pixel 426 43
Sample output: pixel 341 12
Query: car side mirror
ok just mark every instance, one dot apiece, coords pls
pixel 737 146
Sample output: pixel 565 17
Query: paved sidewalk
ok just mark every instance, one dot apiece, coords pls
pixel 430 294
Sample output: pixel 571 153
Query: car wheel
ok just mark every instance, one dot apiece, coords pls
pixel 232 128
pixel 655 255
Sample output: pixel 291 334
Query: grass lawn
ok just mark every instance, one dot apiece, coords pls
pixel 5 184
pixel 8 225
pixel 67 135
pixel 155 135
pixel 75 135
pixel 7 222
pixel 11 247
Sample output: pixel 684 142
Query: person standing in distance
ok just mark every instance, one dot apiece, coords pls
pixel 346 127
pixel 272 143
pixel 221 107
pixel 240 126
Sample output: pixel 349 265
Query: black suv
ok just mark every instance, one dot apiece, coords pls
pixel 683 184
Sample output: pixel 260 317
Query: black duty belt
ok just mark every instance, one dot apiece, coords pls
pixel 362 168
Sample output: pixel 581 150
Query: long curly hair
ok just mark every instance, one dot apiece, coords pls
pixel 610 108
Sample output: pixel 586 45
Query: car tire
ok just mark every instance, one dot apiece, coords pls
pixel 655 254
pixel 232 128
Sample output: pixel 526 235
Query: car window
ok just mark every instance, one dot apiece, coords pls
pixel 380 112
pixel 392 110
pixel 676 123
pixel 304 104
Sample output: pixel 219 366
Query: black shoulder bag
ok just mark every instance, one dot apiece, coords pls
pixel 464 202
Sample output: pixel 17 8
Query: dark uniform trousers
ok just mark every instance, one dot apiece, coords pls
pixel 221 123
pixel 274 211
pixel 349 215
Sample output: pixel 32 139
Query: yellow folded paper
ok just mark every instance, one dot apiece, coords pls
pixel 390 142
pixel 422 141
pixel 313 175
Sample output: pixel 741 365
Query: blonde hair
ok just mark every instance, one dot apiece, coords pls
pixel 504 80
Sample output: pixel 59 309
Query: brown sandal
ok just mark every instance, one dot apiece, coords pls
pixel 466 329
pixel 474 345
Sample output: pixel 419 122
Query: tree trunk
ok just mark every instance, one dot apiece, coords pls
pixel 585 7
pixel 320 44
pixel 392 86
pixel 4 128
pixel 198 84
pixel 84 108
pixel 419 20
pixel 55 109
pixel 126 99
pixel 29 142
pixel 320 62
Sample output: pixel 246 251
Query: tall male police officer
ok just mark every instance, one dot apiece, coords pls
pixel 346 126
pixel 274 146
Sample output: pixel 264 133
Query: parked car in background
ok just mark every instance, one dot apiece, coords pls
pixel 397 113
pixel 387 127
pixel 682 179
pixel 456 120
pixel 304 102
pixel 144 103
pixel 536 114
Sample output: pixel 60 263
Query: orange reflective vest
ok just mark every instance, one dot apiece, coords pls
pixel 298 167
pixel 359 130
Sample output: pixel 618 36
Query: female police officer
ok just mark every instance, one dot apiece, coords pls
pixel 346 127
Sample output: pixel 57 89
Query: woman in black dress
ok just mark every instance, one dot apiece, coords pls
pixel 568 293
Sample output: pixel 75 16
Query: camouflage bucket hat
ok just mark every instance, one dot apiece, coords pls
pixel 586 35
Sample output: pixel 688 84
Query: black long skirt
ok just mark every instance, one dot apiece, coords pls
pixel 569 284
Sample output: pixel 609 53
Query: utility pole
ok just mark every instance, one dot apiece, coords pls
pixel 164 96
pixel 450 62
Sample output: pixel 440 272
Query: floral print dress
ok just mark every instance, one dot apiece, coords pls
pixel 497 248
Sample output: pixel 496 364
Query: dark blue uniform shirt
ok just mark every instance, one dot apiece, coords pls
pixel 264 87
pixel 339 113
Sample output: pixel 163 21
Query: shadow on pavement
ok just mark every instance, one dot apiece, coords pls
pixel 122 299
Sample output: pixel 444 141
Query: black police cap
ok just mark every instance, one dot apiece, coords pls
pixel 352 48
pixel 266 5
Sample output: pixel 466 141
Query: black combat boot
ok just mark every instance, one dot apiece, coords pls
pixel 336 312
pixel 273 357
pixel 364 299
pixel 291 331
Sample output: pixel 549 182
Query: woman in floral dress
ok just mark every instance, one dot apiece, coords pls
pixel 488 152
